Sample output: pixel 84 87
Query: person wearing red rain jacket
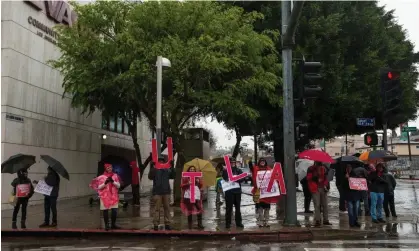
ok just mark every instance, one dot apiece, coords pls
pixel 262 205
pixel 189 207
pixel 318 185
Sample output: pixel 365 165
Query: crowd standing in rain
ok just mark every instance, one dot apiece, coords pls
pixel 375 189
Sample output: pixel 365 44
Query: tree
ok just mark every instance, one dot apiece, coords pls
pixel 352 40
pixel 108 61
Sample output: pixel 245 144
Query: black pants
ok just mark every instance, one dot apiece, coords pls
pixel 50 205
pixel 135 194
pixel 389 203
pixel 307 194
pixel 342 204
pixel 24 203
pixel 233 199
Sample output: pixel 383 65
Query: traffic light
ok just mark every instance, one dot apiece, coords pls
pixel 371 139
pixel 311 79
pixel 391 91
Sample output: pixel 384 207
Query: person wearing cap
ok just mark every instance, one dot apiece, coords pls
pixel 135 183
pixel 233 197
pixel 161 193
pixel 107 186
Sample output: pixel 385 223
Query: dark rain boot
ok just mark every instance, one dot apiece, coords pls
pixel 189 222
pixel 307 202
pixel 23 224
pixel 14 225
pixel 106 219
pixel 113 219
pixel 200 226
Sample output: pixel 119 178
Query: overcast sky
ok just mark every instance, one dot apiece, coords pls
pixel 407 14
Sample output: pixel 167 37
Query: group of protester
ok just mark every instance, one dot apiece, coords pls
pixel 52 179
pixel 315 185
pixel 380 193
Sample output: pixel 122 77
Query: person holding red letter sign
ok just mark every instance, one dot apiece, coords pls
pixel 232 179
pixel 191 203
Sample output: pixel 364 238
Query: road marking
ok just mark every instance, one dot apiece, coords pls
pixel 405 241
pixel 361 249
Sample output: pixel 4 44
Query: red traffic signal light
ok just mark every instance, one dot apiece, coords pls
pixel 390 75
pixel 369 139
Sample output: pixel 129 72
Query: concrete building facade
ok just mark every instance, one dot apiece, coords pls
pixel 36 119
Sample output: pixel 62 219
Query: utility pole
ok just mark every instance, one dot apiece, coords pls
pixel 158 103
pixel 385 136
pixel 289 24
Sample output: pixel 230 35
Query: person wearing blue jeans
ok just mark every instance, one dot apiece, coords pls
pixel 377 186
pixel 352 197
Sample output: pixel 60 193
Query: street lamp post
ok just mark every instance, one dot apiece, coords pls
pixel 161 61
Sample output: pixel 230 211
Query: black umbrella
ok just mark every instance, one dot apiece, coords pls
pixel 56 166
pixel 381 154
pixel 17 162
pixel 350 159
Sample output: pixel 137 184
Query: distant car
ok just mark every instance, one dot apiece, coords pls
pixel 249 174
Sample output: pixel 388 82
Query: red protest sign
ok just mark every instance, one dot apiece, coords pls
pixel 191 193
pixel 154 156
pixel 277 175
pixel 22 190
pixel 231 177
pixel 359 184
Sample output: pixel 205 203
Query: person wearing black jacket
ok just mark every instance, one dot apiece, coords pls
pixel 22 179
pixel 389 194
pixel 50 201
pixel 352 197
pixel 340 169
pixel 377 186
pixel 161 193
pixel 233 197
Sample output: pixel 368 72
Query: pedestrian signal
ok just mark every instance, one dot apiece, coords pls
pixel 371 139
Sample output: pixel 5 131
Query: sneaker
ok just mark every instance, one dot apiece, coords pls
pixel 14 225
pixel 54 224
pixel 44 225
pixel 156 228
pixel 375 221
pixel 317 224
pixel 167 227
pixel 357 225
pixel 115 227
pixel 239 225
pixel 327 223
pixel 394 216
pixel 382 220
pixel 308 212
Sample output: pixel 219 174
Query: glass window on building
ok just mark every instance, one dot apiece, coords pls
pixel 112 124
pixel 119 125
pixel 126 129
pixel 105 122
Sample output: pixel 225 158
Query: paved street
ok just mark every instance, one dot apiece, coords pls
pixel 401 233
pixel 173 244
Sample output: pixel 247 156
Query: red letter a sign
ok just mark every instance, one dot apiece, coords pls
pixel 277 176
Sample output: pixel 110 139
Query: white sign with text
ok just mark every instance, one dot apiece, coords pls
pixel 226 185
pixel 43 188
pixel 262 182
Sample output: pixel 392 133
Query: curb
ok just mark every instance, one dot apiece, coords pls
pixel 283 235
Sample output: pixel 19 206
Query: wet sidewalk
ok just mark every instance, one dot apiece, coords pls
pixel 78 214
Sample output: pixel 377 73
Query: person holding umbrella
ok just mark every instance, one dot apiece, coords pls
pixel 50 201
pixel 318 185
pixel 378 186
pixel 53 180
pixel 23 189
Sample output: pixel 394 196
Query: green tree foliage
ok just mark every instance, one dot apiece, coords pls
pixel 352 40
pixel 108 61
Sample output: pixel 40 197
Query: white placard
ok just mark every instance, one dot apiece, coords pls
pixel 227 185
pixel 187 194
pixel 262 182
pixel 43 188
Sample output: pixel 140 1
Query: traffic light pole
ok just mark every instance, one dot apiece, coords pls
pixel 289 23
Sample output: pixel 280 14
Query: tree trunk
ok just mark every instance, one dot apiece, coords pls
pixel 181 160
pixel 238 141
